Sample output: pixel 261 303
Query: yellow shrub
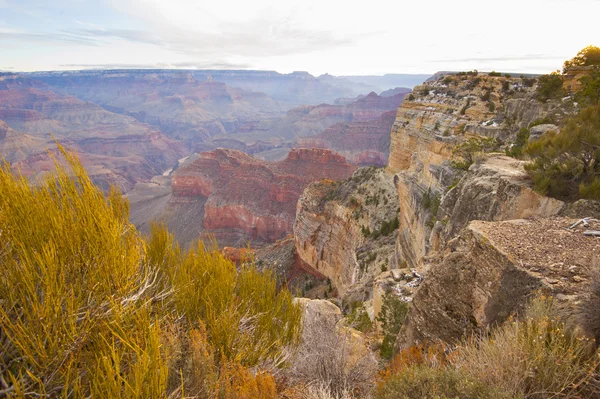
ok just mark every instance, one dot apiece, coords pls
pixel 90 308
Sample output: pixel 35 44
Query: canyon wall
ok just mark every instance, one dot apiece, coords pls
pixel 243 199
pixel 437 117
pixel 338 230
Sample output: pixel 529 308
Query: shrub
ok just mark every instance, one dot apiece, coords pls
pixel 491 106
pixel 358 318
pixel 536 357
pixel 463 110
pixel 392 315
pixel 589 314
pixel 464 153
pixel 550 87
pixel 529 82
pixel 486 96
pixel 495 74
pixel 90 308
pixel 588 56
pixel 411 97
pixel 567 165
pixel 332 360
pixel 516 149
pixel 421 382
pixel 590 92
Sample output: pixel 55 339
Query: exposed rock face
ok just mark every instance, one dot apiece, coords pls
pixel 291 271
pixel 491 270
pixel 498 188
pixel 244 199
pixel 441 114
pixel 363 143
pixel 337 226
pixel 114 149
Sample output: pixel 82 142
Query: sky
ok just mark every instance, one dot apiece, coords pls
pixel 346 37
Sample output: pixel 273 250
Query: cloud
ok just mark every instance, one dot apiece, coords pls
pixel 526 57
pixel 179 65
pixel 14 36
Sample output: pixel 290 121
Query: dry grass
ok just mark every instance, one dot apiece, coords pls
pixel 536 356
pixel 331 362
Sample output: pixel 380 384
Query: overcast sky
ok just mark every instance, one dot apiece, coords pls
pixel 339 37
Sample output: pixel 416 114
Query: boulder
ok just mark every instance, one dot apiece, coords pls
pixel 491 271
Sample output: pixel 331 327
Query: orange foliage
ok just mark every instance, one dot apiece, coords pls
pixel 436 355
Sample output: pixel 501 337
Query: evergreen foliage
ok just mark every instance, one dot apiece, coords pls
pixel 566 165
pixel 550 87
pixel 392 315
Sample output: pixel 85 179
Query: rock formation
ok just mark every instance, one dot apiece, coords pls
pixel 240 199
pixel 363 143
pixel 338 230
pixel 491 271
pixel 440 115
pixel 115 149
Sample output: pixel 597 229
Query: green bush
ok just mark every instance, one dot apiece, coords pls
pixel 590 92
pixel 392 315
pixel 550 87
pixel 464 154
pixel 495 74
pixel 516 149
pixel 567 165
pixel 358 318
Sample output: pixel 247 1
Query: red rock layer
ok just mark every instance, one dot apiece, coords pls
pixel 252 199
pixel 363 143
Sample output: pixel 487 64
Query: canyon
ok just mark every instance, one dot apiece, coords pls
pixel 465 246
pixel 236 198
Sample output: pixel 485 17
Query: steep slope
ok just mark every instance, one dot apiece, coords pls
pixel 440 115
pixel 346 230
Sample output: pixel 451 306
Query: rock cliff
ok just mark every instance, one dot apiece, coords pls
pixel 438 116
pixel 242 199
pixel 363 143
pixel 491 270
pixel 346 230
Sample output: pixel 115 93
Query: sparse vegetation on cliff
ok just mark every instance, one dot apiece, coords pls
pixel 550 87
pixel 464 154
pixel 392 315
pixel 92 309
pixel 566 165
pixel 588 56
